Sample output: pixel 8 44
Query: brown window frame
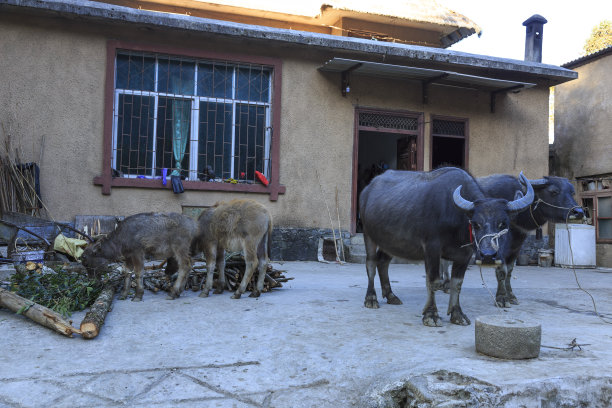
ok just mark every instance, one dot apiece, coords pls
pixel 594 195
pixel 466 137
pixel 107 181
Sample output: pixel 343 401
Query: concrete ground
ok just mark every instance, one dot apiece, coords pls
pixel 314 344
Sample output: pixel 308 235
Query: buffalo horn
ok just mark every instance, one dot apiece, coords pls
pixel 538 182
pixel 462 202
pixel 523 202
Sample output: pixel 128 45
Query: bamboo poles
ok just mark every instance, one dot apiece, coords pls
pixel 17 181
pixel 331 222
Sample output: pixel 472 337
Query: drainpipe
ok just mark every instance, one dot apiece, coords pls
pixel 533 37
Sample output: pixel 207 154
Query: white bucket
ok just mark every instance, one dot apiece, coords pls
pixel 582 253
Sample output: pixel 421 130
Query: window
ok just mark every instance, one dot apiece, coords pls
pixel 208 120
pixel 449 142
pixel 597 199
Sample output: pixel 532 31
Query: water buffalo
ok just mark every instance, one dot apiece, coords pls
pixel 238 225
pixel 554 201
pixel 442 213
pixel 145 235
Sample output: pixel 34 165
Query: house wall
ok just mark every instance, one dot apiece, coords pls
pixel 582 129
pixel 53 93
pixel 582 121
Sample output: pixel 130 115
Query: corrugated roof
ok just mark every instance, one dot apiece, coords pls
pixel 588 58
pixel 453 26
pixel 428 11
pixel 425 15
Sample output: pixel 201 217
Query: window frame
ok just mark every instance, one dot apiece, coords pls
pixel 595 195
pixel 466 137
pixel 107 181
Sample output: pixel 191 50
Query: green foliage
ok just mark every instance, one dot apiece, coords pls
pixel 61 290
pixel 600 38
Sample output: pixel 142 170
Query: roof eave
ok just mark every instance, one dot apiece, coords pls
pixel 89 10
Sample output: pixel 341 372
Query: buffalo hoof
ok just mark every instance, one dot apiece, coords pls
pixel 204 293
pixel 137 299
pixel 371 302
pixel 459 318
pixel 171 296
pixel 122 297
pixel 432 320
pixel 218 291
pixel 512 299
pixel 255 294
pixel 446 286
pixel 393 300
pixel 236 295
pixel 502 301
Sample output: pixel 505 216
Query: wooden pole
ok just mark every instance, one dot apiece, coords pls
pixel 94 319
pixel 36 312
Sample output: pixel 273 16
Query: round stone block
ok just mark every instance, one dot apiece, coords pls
pixel 511 338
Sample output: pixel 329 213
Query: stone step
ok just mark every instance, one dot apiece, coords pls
pixel 357 239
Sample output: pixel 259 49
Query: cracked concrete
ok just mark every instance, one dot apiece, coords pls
pixel 313 344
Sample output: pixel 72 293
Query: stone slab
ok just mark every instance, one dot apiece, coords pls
pixel 511 338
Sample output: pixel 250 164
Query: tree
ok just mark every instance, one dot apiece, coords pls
pixel 601 37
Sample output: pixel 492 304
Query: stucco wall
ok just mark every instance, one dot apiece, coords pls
pixel 583 146
pixel 582 121
pixel 53 86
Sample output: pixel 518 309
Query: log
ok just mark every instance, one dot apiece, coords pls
pixel 38 313
pixel 94 319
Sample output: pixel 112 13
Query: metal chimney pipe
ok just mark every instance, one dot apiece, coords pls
pixel 533 37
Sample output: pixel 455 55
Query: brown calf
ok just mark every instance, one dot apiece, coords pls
pixel 238 225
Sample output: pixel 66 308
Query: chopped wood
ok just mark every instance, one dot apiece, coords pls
pixel 235 266
pixel 38 313
pixel 94 319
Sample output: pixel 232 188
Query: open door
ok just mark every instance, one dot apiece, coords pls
pixel 383 140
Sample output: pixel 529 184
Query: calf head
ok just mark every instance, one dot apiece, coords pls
pixel 490 220
pixel 96 257
pixel 555 199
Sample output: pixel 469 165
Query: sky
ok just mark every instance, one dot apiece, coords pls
pixel 569 25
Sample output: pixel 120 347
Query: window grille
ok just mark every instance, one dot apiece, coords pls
pixel 200 119
pixel 384 121
pixel 448 127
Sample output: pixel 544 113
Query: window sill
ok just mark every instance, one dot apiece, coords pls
pixel 273 189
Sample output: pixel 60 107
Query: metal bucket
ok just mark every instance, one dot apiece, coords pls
pixel 545 258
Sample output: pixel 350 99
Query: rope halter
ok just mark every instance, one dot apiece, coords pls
pixel 533 207
pixel 494 239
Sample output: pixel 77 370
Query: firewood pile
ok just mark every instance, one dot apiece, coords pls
pixel 67 289
pixel 156 279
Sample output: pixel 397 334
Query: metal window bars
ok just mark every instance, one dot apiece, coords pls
pixel 200 119
pixel 387 121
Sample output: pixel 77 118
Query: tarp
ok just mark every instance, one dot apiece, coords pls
pixel 71 246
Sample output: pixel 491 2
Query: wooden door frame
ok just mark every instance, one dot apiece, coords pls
pixel 419 116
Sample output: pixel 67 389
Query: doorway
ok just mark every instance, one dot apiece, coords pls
pixel 383 140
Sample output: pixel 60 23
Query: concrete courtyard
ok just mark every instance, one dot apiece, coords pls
pixel 314 344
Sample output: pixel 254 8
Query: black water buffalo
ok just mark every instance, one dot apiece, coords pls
pixel 443 213
pixel 554 201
